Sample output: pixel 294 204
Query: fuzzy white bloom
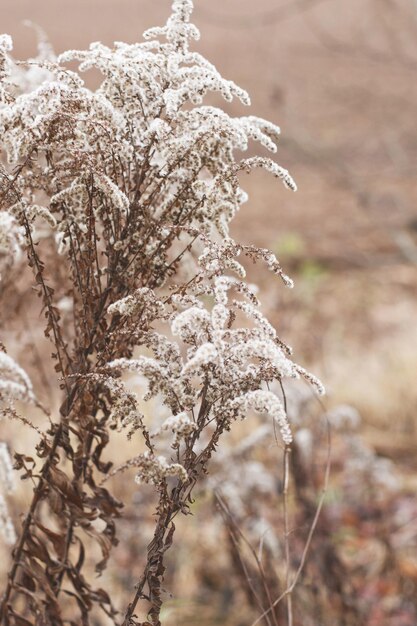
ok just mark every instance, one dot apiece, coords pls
pixel 222 284
pixel 154 470
pixel 235 266
pixel 7 481
pixel 274 266
pixel 142 364
pixel 126 306
pixel 112 192
pixel 265 402
pixel 180 425
pixel 33 211
pixel 160 375
pixel 6 43
pixel 313 380
pixel 216 258
pixel 14 382
pixel 7 485
pixel 43 213
pixel 6 525
pixel 191 323
pixel 203 356
pixel 269 351
pixel 273 168
pixel 261 130
pixel 142 300
pixel 219 316
pixel 185 301
pixel 11 240
pixel 140 110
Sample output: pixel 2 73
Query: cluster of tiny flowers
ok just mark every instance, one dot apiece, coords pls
pixel 14 382
pixel 33 211
pixel 235 364
pixel 138 113
pixel 180 425
pixel 263 401
pixel 154 470
pixel 7 485
pixel 113 194
pixel 14 385
pixel 6 525
pixel 272 167
pixel 6 469
pixel 6 45
pixel 11 241
pixel 143 301
pixel 124 413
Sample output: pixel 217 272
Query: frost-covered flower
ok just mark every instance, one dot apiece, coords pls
pixel 143 301
pixel 6 469
pixel 14 382
pixel 180 425
pixel 11 241
pixel 7 529
pixel 7 485
pixel 155 469
pixel 265 402
pixel 233 364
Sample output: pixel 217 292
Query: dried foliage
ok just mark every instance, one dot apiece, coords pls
pixel 360 558
pixel 119 200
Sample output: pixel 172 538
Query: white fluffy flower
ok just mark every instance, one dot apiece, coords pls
pixel 265 402
pixel 154 470
pixel 14 382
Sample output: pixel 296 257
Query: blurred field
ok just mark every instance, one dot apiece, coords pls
pixel 340 79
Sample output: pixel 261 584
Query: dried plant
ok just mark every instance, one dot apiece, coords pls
pixel 119 201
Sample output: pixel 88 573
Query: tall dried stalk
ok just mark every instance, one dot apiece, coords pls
pixel 129 191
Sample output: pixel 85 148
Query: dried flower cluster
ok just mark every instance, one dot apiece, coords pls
pixel 7 485
pixel 129 190
pixel 248 490
pixel 14 382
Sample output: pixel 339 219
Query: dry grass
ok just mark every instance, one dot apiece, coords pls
pixel 348 235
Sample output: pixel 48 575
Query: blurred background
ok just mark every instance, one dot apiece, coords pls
pixel 340 80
